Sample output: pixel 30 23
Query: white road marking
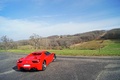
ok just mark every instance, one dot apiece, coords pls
pixel 7 72
pixel 113 66
pixel 111 72
pixel 98 77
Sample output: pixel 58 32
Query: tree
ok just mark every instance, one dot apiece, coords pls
pixel 112 34
pixel 35 41
pixel 7 43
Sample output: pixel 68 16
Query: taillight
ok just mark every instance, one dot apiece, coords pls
pixel 19 61
pixel 35 61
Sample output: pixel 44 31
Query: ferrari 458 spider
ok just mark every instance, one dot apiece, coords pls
pixel 36 61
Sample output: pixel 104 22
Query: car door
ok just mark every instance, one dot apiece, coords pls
pixel 48 57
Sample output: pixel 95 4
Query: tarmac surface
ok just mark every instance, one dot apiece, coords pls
pixel 64 68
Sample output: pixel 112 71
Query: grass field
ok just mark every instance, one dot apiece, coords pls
pixel 91 48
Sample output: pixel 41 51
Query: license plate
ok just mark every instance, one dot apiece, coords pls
pixel 26 65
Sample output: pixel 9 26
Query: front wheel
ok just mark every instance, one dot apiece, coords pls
pixel 54 58
pixel 44 66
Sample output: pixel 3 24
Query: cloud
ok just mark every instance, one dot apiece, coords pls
pixel 18 29
pixel 73 27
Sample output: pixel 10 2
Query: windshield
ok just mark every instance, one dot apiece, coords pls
pixel 36 53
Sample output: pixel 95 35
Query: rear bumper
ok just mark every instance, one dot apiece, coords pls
pixel 28 69
pixel 36 66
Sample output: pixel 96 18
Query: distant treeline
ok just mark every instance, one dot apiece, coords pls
pixel 112 34
pixel 57 42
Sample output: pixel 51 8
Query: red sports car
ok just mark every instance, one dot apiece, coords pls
pixel 36 61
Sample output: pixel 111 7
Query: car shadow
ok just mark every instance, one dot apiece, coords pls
pixel 15 68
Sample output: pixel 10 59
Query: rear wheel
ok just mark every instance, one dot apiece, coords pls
pixel 44 66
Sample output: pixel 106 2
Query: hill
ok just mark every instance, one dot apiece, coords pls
pixel 107 38
pixel 65 41
pixel 112 34
pixel 62 41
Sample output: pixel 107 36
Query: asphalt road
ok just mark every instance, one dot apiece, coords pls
pixel 65 68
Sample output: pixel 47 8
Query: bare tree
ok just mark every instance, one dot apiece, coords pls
pixel 6 43
pixel 35 41
pixel 13 44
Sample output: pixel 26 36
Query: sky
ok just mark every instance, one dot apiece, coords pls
pixel 19 19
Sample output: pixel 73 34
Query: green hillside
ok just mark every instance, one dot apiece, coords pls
pixel 97 44
pixel 90 45
pixel 102 47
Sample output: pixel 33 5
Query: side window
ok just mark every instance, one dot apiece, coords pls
pixel 47 53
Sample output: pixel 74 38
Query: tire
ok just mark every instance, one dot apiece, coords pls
pixel 54 58
pixel 44 66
